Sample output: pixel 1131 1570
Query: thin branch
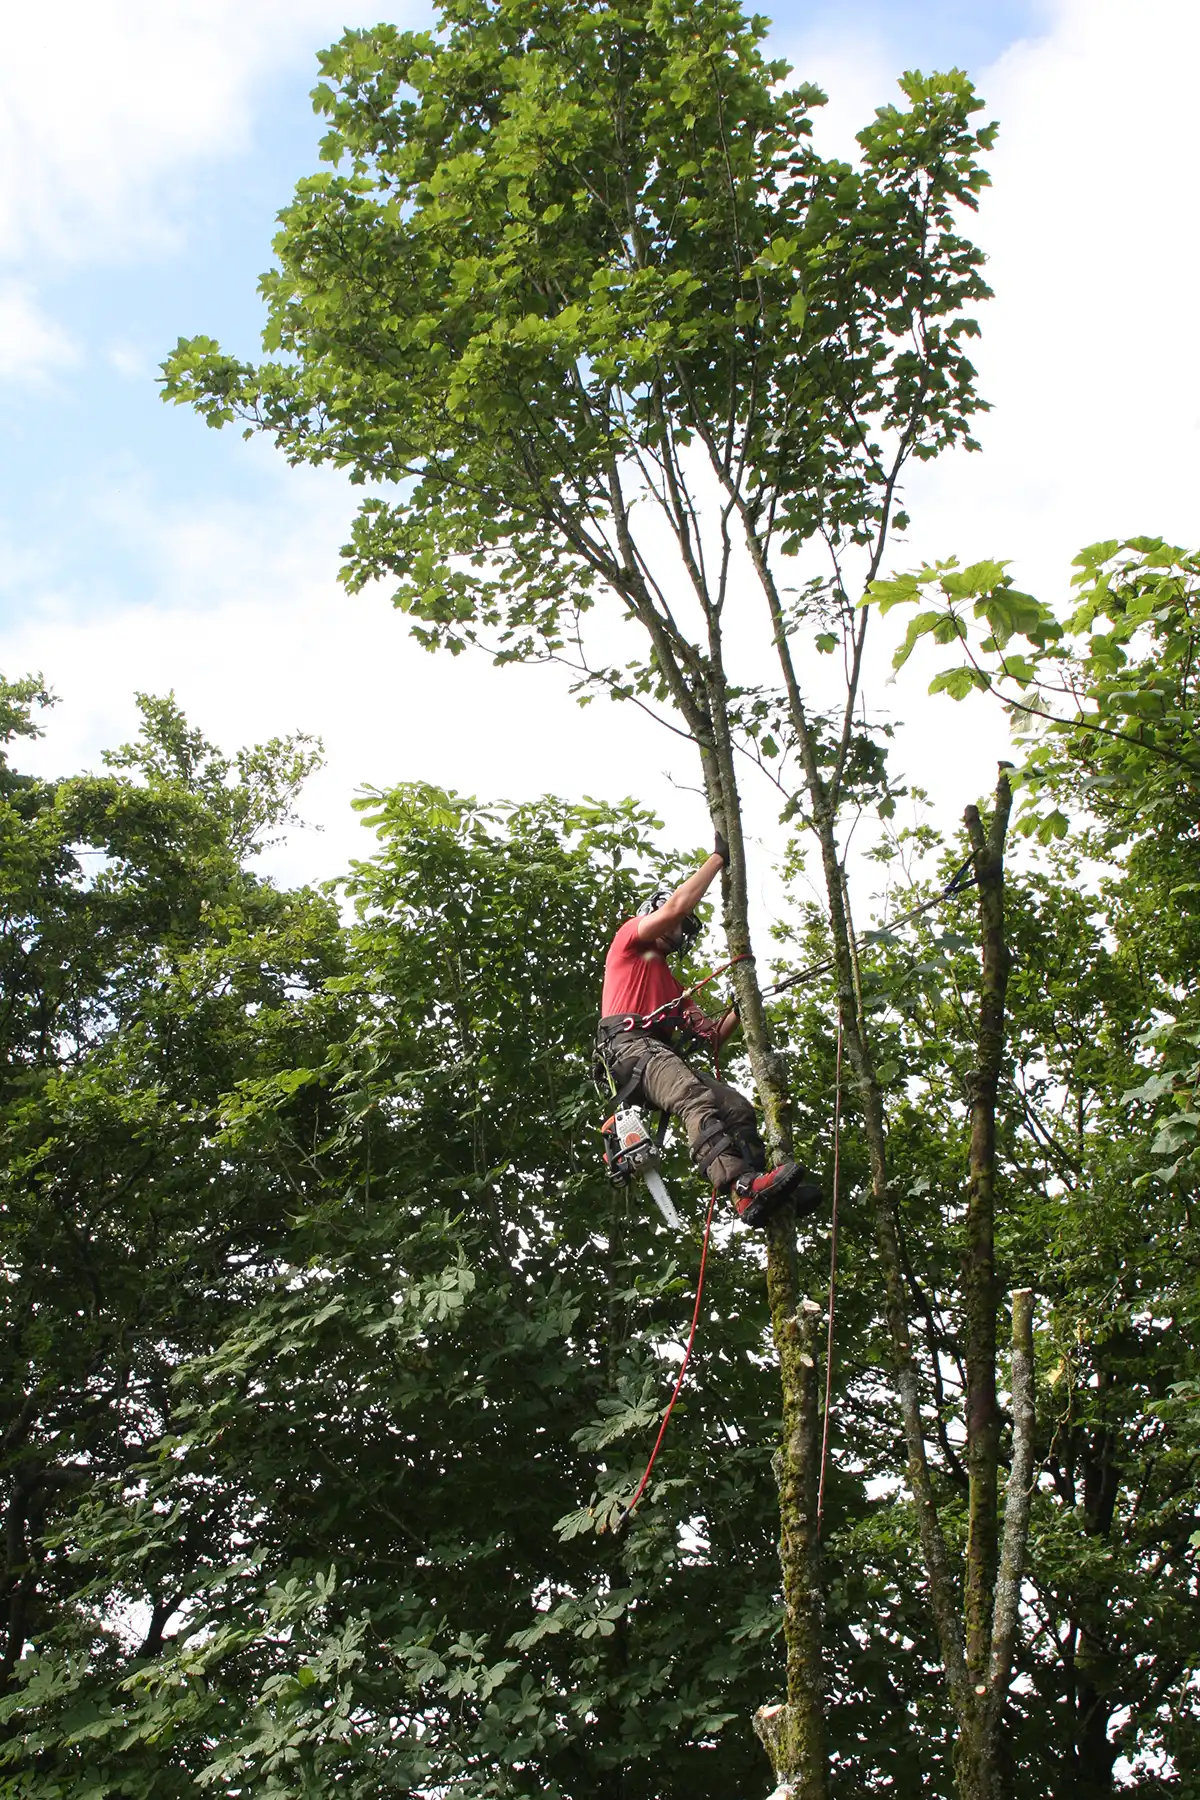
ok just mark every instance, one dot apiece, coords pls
pixel 1082 723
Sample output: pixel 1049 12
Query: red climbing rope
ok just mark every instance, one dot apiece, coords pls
pixel 641 1487
pixel 652 1018
pixel 833 1250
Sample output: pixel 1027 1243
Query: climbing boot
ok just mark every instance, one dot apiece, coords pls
pixel 758 1196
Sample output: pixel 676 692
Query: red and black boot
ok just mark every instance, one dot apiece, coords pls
pixel 757 1197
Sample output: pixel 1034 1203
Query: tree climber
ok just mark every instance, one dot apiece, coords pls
pixel 720 1123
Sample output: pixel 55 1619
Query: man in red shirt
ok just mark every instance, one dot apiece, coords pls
pixel 720 1123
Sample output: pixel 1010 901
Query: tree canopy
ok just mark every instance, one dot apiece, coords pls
pixel 326 1334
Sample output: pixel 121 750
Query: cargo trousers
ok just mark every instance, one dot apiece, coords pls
pixel 721 1126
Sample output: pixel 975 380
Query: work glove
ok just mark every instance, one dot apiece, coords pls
pixel 721 849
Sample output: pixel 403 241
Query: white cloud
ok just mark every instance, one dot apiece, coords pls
pixel 250 628
pixel 132 361
pixel 106 106
pixel 857 75
pixel 1089 350
pixel 108 111
pixel 31 345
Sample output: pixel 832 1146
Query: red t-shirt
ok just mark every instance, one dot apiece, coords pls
pixel 636 977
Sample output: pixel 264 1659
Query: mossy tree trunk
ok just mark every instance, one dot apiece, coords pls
pixel 794 1732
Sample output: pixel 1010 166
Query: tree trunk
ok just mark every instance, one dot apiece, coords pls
pixel 858 1048
pixel 1017 1500
pixel 992 1576
pixel 1095 1753
pixel 794 1733
pixel 979 1262
pixel 904 1364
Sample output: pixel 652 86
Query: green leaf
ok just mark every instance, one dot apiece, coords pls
pixel 958 683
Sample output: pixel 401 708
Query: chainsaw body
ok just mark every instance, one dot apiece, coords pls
pixel 630 1150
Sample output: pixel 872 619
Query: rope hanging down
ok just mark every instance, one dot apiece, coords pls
pixel 641 1486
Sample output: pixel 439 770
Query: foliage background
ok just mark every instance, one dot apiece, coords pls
pixel 325 1342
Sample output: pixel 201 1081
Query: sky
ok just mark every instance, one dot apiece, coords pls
pixel 145 150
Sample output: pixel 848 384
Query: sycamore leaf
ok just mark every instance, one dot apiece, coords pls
pixel 924 625
pixel 958 683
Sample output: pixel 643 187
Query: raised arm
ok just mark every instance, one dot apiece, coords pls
pixel 684 900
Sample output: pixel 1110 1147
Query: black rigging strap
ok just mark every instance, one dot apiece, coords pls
pixel 964 877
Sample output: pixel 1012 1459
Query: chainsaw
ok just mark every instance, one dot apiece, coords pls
pixel 631 1149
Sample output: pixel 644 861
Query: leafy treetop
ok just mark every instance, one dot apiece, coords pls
pixel 560 243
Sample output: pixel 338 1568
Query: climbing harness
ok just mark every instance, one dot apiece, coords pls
pixel 661 1014
pixel 666 1419
pixel 631 1149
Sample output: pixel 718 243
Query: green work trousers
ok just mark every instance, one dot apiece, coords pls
pixel 721 1126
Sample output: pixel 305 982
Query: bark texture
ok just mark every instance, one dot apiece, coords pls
pixel 796 1739
pixel 979 1762
pixel 1018 1497
pixel 992 1575
pixel 979 1261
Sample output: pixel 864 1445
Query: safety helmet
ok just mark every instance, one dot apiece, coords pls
pixel 654 902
